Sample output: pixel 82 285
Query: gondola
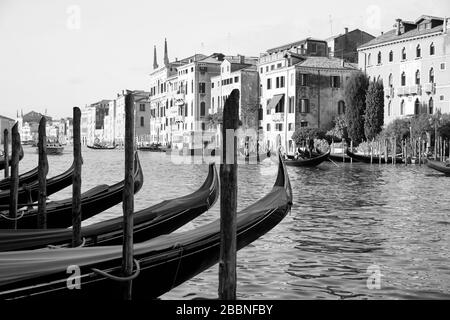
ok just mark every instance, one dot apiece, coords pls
pixel 101 147
pixel 161 218
pixel 164 262
pixel 439 166
pixel 152 148
pixel 54 149
pixel 24 178
pixel 375 159
pixel 93 201
pixel 2 159
pixel 307 162
pixel 341 158
pixel 28 194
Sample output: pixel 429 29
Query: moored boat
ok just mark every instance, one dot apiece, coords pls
pixel 93 201
pixel 54 148
pixel 439 166
pixel 164 262
pixel 158 219
pixel 373 159
pixel 307 162
pixel 24 178
pixel 2 159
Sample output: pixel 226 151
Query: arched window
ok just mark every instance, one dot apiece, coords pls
pixel 202 109
pixel 418 77
pixel 391 56
pixel 430 106
pixel 369 57
pixel 417 107
pixel 379 57
pixel 403 79
pixel 390 81
pixel 404 54
pixel 402 107
pixel 389 108
pixel 418 51
pixel 432 49
pixel 431 75
pixel 341 107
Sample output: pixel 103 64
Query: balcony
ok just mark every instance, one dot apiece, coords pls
pixel 278 117
pixel 402 91
pixel 179 99
pixel 415 90
pixel 429 88
pixel 179 119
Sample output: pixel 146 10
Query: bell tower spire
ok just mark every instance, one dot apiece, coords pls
pixel 155 62
pixel 166 56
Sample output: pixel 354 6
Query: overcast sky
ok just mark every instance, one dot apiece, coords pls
pixel 59 54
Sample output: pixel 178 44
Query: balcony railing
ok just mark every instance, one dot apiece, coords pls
pixel 179 119
pixel 179 99
pixel 429 88
pixel 278 117
pixel 389 92
pixel 402 91
pixel 415 90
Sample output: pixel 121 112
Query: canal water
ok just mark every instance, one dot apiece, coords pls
pixel 356 231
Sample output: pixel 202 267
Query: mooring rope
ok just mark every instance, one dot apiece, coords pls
pixel 13 219
pixel 117 278
pixel 51 246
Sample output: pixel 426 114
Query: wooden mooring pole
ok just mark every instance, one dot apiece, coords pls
pixel 14 181
pixel 228 199
pixel 6 150
pixel 42 175
pixel 128 195
pixel 76 179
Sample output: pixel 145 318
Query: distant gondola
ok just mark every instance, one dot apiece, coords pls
pixel 439 166
pixel 28 194
pixel 375 159
pixel 94 201
pixel 54 148
pixel 24 178
pixel 152 148
pixel 307 162
pixel 2 159
pixel 161 218
pixel 165 262
pixel 341 158
pixel 102 147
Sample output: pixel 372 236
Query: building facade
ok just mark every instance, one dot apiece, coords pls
pixel 298 90
pixel 413 62
pixel 344 46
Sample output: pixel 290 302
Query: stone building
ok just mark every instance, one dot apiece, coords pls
pixel 344 46
pixel 299 90
pixel 413 61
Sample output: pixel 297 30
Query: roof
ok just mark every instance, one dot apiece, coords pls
pixel 343 34
pixel 326 63
pixel 6 118
pixel 392 36
pixel 293 44
pixel 427 17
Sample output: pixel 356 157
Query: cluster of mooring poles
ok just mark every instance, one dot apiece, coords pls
pixel 228 190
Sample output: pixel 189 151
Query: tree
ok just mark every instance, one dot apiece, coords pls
pixel 420 125
pixel 304 134
pixel 399 129
pixel 355 100
pixel 374 115
pixel 339 131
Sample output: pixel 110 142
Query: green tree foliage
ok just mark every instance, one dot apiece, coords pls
pixel 339 131
pixel 420 125
pixel 399 129
pixel 304 134
pixel 374 115
pixel 355 101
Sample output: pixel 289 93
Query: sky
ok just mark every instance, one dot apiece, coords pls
pixel 57 54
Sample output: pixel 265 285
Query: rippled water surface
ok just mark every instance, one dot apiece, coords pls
pixel 345 219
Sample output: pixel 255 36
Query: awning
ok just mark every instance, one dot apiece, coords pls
pixel 275 100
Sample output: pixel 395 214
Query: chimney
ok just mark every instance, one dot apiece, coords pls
pixel 346 30
pixel 398 25
pixel 166 57
pixel 241 59
pixel 155 63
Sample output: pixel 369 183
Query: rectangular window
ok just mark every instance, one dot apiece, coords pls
pixel 202 87
pixel 303 124
pixel 291 104
pixel 442 66
pixel 236 79
pixel 272 67
pixel 303 80
pixel 335 81
pixel 212 85
pixel 268 127
pixel 142 121
pixel 269 83
pixel 277 82
pixel 278 127
pixel 142 107
pixel 281 82
pixel 280 106
pixel 304 106
pixel 313 48
pixel 192 86
pixel 290 126
pixel 267 68
pixel 261 70
pixel 278 65
pixel 441 98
